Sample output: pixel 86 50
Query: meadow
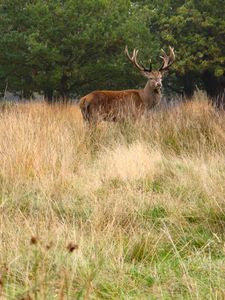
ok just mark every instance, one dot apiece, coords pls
pixel 127 210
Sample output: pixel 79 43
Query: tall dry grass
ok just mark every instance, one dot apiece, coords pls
pixel 127 210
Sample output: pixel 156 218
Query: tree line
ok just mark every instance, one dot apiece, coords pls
pixel 66 48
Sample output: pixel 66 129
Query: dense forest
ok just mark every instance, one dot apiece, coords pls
pixel 66 48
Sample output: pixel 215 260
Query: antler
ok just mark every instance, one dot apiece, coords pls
pixel 167 60
pixel 133 59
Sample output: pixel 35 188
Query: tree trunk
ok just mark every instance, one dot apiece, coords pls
pixel 210 83
pixel 189 82
pixel 215 87
pixel 64 90
pixel 48 94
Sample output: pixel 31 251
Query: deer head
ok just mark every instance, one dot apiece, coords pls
pixel 154 77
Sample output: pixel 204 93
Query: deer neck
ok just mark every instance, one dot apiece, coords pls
pixel 151 96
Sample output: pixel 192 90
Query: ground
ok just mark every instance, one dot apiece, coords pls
pixel 127 210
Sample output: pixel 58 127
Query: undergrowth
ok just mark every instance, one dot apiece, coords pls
pixel 127 210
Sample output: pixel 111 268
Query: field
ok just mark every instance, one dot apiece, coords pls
pixel 127 210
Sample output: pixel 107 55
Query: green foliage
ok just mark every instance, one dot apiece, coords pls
pixel 196 30
pixel 69 47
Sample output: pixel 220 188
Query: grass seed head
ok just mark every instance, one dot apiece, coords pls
pixel 33 240
pixel 71 247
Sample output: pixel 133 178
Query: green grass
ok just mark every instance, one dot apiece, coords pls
pixel 127 210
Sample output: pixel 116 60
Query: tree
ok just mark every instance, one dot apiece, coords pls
pixel 66 48
pixel 13 49
pixel 196 29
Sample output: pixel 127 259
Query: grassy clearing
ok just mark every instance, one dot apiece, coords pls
pixel 122 211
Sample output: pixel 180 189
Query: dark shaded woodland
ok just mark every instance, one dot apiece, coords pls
pixel 64 49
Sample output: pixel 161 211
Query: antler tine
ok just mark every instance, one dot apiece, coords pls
pixel 127 53
pixel 133 59
pixel 168 60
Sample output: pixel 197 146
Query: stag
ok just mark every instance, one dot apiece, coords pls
pixel 111 105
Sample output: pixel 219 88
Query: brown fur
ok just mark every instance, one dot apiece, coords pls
pixel 112 105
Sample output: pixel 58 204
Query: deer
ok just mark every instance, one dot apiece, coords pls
pixel 112 105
